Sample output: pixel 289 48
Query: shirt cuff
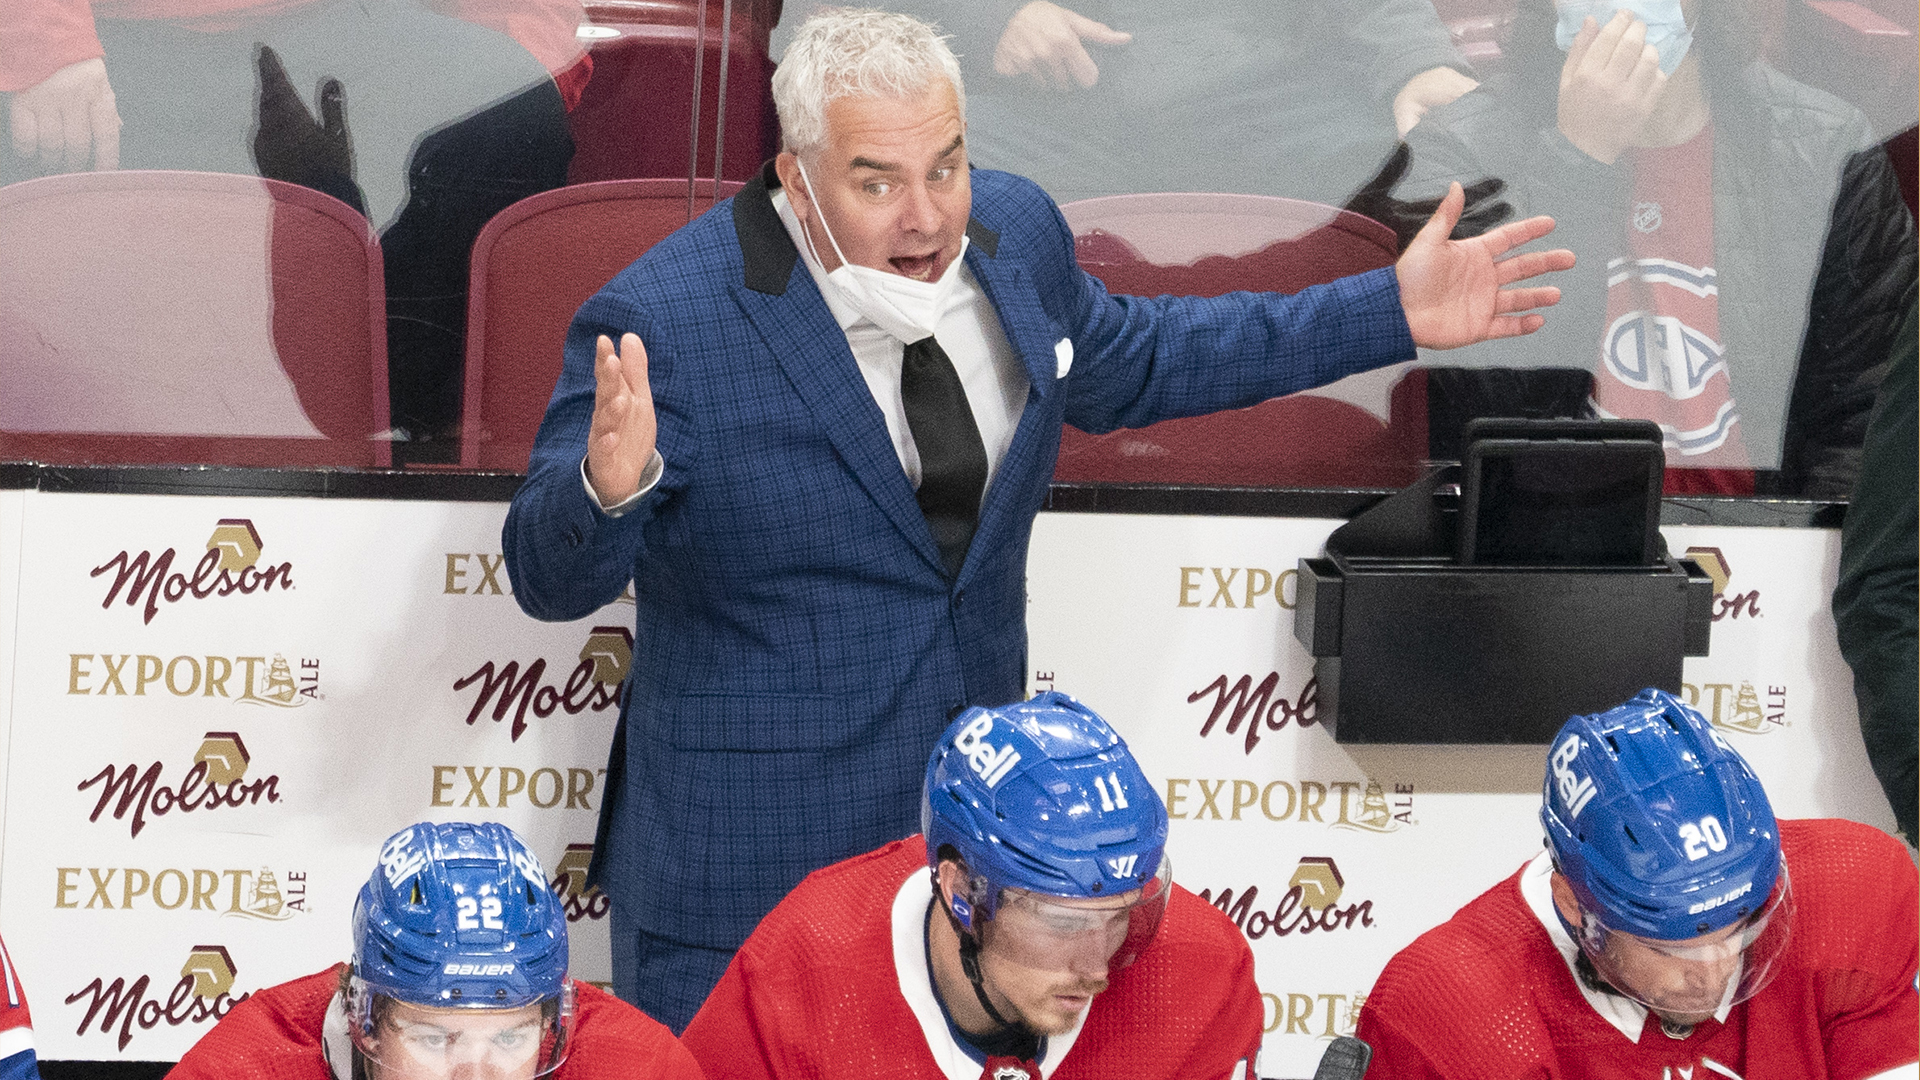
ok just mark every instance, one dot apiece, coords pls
pixel 649 478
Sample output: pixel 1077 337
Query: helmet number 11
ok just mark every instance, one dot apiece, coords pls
pixel 1707 835
pixel 1114 799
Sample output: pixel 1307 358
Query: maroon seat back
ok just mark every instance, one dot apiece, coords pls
pixel 189 318
pixel 1205 245
pixel 534 264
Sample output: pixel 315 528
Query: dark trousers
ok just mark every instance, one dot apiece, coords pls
pixel 663 978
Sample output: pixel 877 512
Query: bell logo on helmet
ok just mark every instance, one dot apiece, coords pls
pixel 1574 790
pixel 990 763
pixel 1122 867
pixel 400 859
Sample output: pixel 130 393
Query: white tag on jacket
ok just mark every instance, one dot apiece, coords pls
pixel 1063 356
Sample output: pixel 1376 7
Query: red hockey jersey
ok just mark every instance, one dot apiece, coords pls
pixel 280 1033
pixel 17 1061
pixel 834 983
pixel 1491 993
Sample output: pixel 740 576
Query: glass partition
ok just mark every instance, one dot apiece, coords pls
pixel 1744 234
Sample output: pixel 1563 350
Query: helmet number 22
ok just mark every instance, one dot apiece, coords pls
pixel 1699 839
pixel 1114 799
pixel 483 913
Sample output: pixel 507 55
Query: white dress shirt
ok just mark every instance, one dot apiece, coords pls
pixel 968 331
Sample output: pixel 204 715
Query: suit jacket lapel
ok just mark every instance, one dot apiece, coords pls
pixel 786 309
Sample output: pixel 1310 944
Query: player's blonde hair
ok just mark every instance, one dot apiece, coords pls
pixel 855 52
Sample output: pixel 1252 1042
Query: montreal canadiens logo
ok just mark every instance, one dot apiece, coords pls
pixel 1662 354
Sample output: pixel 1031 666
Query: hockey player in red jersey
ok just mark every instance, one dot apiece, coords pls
pixel 1032 931
pixel 17 1060
pixel 1671 931
pixel 459 972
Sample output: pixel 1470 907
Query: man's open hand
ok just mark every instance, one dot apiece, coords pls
pixel 621 440
pixel 1043 42
pixel 68 119
pixel 1609 87
pixel 1457 292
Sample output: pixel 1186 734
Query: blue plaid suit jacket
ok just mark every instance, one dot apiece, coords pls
pixel 798 646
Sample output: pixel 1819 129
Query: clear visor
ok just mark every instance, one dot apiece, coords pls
pixel 1088 935
pixel 404 1041
pixel 1696 977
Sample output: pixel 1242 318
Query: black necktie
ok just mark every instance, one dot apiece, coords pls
pixel 953 459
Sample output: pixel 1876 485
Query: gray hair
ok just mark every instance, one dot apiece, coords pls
pixel 849 52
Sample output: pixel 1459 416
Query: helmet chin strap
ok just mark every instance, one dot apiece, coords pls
pixel 970 963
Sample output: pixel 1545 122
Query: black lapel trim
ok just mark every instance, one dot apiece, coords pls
pixel 983 238
pixel 765 247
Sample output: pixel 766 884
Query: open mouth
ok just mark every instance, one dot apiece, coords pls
pixel 917 267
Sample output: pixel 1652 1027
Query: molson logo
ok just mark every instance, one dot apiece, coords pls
pixel 1319 1015
pixel 1227 799
pixel 242 894
pixel 1310 904
pixel 570 885
pixel 203 993
pixel 216 779
pixel 595 682
pixel 1725 605
pixel 230 565
pixel 1256 706
pixel 245 680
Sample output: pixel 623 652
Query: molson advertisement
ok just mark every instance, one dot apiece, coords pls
pixel 1329 858
pixel 220 706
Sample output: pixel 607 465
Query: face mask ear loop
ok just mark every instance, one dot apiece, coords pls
pixel 822 215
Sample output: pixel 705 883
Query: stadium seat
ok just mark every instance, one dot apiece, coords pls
pixel 634 118
pixel 534 264
pixel 1205 245
pixel 189 318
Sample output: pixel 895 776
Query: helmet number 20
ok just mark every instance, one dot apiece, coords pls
pixel 483 913
pixel 1701 838
pixel 1114 799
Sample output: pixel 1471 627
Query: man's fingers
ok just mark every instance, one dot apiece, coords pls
pixel 1626 54
pixel 1508 301
pixel 1079 65
pixel 1440 226
pixel 76 135
pixel 1516 233
pixel 1506 326
pixel 633 364
pixel 25 127
pixel 1582 43
pixel 1532 264
pixel 1097 32
pixel 105 117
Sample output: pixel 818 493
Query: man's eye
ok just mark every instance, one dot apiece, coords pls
pixel 512 1039
pixel 940 174
pixel 431 1040
pixel 878 188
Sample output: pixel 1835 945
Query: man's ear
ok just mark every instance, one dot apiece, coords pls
pixel 787 167
pixel 1564 899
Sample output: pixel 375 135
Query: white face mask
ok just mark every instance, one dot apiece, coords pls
pixel 1667 29
pixel 901 306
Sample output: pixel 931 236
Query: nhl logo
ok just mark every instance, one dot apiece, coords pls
pixel 1012 1072
pixel 1009 1068
pixel 1646 216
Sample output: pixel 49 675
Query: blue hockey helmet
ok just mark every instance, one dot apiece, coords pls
pixel 1044 797
pixel 1665 834
pixel 459 917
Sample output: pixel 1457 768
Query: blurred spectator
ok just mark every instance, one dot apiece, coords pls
pixel 429 116
pixel 1107 97
pixel 1743 245
pixel 17 1060
pixel 1874 603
